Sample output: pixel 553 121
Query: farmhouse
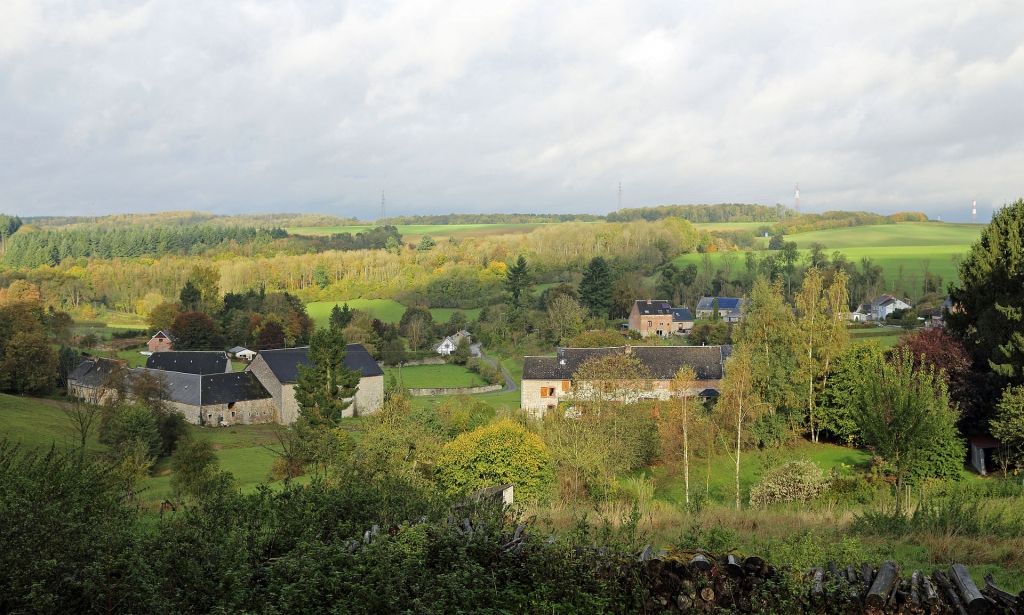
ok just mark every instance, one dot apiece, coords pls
pixel 885 305
pixel 730 309
pixel 651 318
pixel 217 399
pixel 451 342
pixel 547 381
pixel 191 362
pixel 278 370
pixel 682 320
pixel 162 341
pixel 90 380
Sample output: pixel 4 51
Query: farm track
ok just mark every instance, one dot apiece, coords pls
pixel 510 384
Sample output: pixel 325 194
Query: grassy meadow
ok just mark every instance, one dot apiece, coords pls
pixel 447 376
pixel 388 310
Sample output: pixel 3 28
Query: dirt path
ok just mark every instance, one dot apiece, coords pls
pixel 510 384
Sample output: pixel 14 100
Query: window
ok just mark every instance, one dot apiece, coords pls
pixel 547 391
pixel 649 323
pixel 231 405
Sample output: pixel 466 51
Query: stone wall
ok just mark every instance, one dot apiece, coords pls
pixel 531 399
pixel 457 390
pixel 369 397
pixel 426 361
pixel 239 413
pixel 267 378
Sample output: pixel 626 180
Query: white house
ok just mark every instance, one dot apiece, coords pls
pixel 451 342
pixel 885 305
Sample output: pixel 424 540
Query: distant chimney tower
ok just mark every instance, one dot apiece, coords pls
pixel 797 201
pixel 974 209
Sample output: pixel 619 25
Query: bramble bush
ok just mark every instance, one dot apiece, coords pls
pixel 793 481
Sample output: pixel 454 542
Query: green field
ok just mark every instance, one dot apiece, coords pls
pixel 730 226
pixel 909 244
pixel 412 233
pixel 387 310
pixel 445 376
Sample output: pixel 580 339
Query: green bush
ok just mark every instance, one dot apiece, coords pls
pixel 794 481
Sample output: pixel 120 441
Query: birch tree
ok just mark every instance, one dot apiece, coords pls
pixel 683 387
pixel 738 406
pixel 821 336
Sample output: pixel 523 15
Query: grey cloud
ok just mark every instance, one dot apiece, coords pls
pixel 514 106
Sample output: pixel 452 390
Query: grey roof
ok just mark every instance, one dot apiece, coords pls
pixel 285 362
pixel 190 362
pixel 209 389
pixel 663 362
pixel 237 349
pixel 93 373
pixel 681 315
pixel 656 307
pixel 165 333
pixel 724 303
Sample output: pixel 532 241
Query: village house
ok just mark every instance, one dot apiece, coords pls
pixel 730 309
pixel 547 381
pixel 885 305
pixel 241 352
pixel 682 320
pixel 651 318
pixel 191 362
pixel 217 399
pixel 90 380
pixel 162 341
pixel 278 371
pixel 451 342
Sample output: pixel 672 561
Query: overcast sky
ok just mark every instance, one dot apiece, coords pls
pixel 526 106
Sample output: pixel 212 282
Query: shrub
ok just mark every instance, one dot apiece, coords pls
pixel 794 481
pixel 499 453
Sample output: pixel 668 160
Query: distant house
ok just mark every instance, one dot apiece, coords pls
pixel 90 380
pixel 162 341
pixel 217 399
pixel 191 362
pixel 885 305
pixel 451 342
pixel 549 380
pixel 241 352
pixel 278 371
pixel 682 320
pixel 730 309
pixel 651 318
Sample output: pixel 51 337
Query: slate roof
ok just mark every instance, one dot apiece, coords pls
pixel 209 389
pixel 237 349
pixel 93 373
pixel 190 362
pixel 656 307
pixel 166 334
pixel 724 303
pixel 681 315
pixel 285 362
pixel 663 362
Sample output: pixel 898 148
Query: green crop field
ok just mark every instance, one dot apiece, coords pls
pixel 445 376
pixel 909 244
pixel 387 310
pixel 412 233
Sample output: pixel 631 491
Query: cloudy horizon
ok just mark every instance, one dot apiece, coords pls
pixel 522 106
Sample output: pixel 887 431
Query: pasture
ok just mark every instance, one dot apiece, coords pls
pixel 445 376
pixel 412 233
pixel 911 244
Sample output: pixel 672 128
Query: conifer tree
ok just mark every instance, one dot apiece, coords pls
pixel 596 287
pixel 325 390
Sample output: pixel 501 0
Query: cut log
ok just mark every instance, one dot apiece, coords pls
pixel 699 562
pixel 954 599
pixel 882 586
pixel 732 565
pixel 972 598
pixel 867 574
pixel 1005 598
pixel 915 590
pixel 817 585
pixel 834 571
pixel 928 593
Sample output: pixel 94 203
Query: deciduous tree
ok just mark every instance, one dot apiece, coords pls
pixel 821 336
pixel 738 405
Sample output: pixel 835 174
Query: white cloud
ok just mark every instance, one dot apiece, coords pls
pixel 521 105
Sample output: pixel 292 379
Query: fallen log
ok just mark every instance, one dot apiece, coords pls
pixel 699 562
pixel 817 585
pixel 867 574
pixel 1003 597
pixel 954 599
pixel 972 598
pixel 883 585
pixel 732 565
pixel 928 593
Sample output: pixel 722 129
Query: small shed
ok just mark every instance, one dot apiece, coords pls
pixel 981 452
pixel 241 352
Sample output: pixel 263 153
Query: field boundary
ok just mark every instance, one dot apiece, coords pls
pixel 456 391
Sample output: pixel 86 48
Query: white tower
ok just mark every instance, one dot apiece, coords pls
pixel 974 210
pixel 797 201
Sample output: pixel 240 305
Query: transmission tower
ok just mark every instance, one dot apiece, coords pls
pixel 620 195
pixel 383 218
pixel 974 209
pixel 797 201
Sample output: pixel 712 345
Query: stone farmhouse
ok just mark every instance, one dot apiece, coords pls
pixel 162 341
pixel 682 320
pixel 278 370
pixel 548 381
pixel 202 387
pixel 730 309
pixel 651 318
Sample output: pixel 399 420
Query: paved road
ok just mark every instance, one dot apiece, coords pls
pixel 510 384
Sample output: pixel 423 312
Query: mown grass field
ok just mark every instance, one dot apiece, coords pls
pixel 445 376
pixel 909 244
pixel 412 233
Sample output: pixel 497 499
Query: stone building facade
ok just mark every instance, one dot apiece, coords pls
pixel 651 317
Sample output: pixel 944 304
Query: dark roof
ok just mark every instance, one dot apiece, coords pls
pixel 656 307
pixel 189 362
pixel 681 315
pixel 724 303
pixel 93 373
pixel 228 388
pixel 663 362
pixel 209 389
pixel 285 361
